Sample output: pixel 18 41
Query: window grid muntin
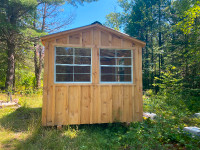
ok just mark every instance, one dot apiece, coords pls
pixel 131 66
pixel 73 65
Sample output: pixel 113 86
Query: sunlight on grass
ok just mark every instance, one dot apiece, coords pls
pixel 9 139
pixel 17 125
pixel 32 102
pixel 21 129
pixel 6 111
pixel 71 133
pixel 28 101
pixel 3 97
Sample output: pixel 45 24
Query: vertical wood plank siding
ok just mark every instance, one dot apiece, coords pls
pixel 75 103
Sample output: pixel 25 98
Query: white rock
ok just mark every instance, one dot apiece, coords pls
pixel 197 115
pixel 192 130
pixel 149 115
pixel 2 105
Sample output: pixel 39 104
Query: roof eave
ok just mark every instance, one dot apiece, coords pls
pixel 66 32
pixel 123 35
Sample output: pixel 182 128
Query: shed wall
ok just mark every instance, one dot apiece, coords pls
pixel 91 103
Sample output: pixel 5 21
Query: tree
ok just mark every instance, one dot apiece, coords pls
pixel 16 17
pixel 49 18
pixel 43 22
pixel 12 18
pixel 171 32
pixel 113 21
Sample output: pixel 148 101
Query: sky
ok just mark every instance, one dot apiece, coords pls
pixel 91 12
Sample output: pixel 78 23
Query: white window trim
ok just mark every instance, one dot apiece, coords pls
pixel 57 82
pixel 117 82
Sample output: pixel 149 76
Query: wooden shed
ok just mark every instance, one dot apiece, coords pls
pixel 92 74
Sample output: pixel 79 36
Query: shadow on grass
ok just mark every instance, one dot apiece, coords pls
pixel 96 136
pixel 21 119
pixel 28 121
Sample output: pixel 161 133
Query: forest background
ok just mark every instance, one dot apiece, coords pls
pixel 171 58
pixel 171 75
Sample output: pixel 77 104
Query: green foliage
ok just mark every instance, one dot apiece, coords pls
pixel 190 19
pixel 32 32
pixel 21 26
pixel 24 126
pixel 15 11
pixel 160 134
pixel 113 21
pixel 171 32
pixel 169 80
pixel 27 80
pixel 174 109
pixel 3 68
pixel 173 99
pixel 80 2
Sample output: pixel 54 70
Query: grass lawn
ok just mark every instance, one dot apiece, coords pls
pixel 21 129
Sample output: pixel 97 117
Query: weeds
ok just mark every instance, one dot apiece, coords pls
pixel 21 129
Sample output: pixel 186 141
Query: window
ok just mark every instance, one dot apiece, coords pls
pixel 116 66
pixel 72 64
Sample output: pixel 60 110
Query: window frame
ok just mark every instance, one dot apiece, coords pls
pixel 70 82
pixel 115 82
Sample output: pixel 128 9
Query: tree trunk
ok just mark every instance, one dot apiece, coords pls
pixel 159 43
pixel 14 89
pixel 159 37
pixel 36 68
pixel 11 66
pixel 38 58
pixel 152 51
pixel 186 77
pixel 38 64
pixel 147 61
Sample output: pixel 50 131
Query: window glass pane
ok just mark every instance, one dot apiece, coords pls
pixel 113 59
pixel 124 78
pixel 123 61
pixel 107 61
pixel 64 59
pixel 70 70
pixel 64 77
pixel 115 70
pixel 123 53
pixel 116 78
pixel 81 69
pixel 123 70
pixel 107 70
pixel 82 77
pixel 82 52
pixel 82 60
pixel 64 51
pixel 127 70
pixel 64 69
pixel 107 53
pixel 108 78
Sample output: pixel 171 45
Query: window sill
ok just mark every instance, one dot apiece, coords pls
pixel 93 84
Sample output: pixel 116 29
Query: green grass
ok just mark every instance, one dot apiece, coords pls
pixel 21 129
